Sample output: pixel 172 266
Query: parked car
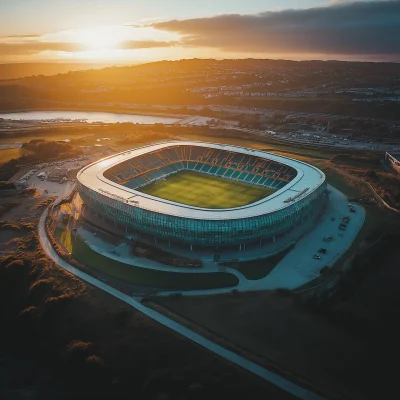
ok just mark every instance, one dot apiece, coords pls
pixel 316 257
pixel 322 251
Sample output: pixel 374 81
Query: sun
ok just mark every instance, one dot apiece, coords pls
pixel 111 42
pixel 102 38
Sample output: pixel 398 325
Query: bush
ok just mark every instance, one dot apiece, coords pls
pixel 8 225
pixel 95 362
pixel 55 302
pixel 29 313
pixel 77 352
pixel 4 261
pixel 44 150
pixel 40 289
pixel 15 264
pixel 29 226
pixel 6 185
pixel 78 347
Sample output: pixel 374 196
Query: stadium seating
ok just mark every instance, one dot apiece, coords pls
pixel 150 167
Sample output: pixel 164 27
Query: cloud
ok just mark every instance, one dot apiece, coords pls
pixel 363 28
pixel 32 45
pixel 22 36
pixel 154 19
pixel 146 44
pixel 25 48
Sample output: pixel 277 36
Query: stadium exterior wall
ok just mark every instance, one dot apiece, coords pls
pixel 260 229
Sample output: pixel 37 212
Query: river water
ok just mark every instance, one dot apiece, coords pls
pixel 89 116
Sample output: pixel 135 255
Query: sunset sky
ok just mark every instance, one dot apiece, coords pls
pixel 124 31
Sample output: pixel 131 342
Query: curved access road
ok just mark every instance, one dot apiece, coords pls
pixel 269 376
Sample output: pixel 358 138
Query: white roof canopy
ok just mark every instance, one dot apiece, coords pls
pixel 307 180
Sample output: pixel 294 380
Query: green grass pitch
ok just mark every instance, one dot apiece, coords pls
pixel 206 191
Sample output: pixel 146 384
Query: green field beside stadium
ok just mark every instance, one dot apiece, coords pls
pixel 168 280
pixel 206 191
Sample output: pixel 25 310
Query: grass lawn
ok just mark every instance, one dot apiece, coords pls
pixel 258 269
pixel 340 183
pixel 141 276
pixel 9 154
pixel 282 331
pixel 206 191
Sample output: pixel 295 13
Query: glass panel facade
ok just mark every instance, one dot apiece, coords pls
pixel 206 232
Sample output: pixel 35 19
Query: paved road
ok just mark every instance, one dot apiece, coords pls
pixel 323 142
pixel 274 379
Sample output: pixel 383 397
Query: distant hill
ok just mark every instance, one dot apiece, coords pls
pixel 314 87
pixel 21 70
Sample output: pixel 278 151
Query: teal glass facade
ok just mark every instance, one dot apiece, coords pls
pixel 200 232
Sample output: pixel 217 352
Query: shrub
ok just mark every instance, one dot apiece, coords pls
pixel 79 347
pixel 41 289
pixel 46 150
pixel 55 302
pixel 29 226
pixel 8 225
pixel 95 362
pixel 29 312
pixel 6 185
pixel 15 264
pixel 4 261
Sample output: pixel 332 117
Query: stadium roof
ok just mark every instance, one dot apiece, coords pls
pixel 307 180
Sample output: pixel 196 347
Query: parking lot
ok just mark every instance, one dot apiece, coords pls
pixel 320 248
pixel 29 176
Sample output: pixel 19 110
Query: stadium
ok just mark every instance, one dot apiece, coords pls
pixel 203 195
